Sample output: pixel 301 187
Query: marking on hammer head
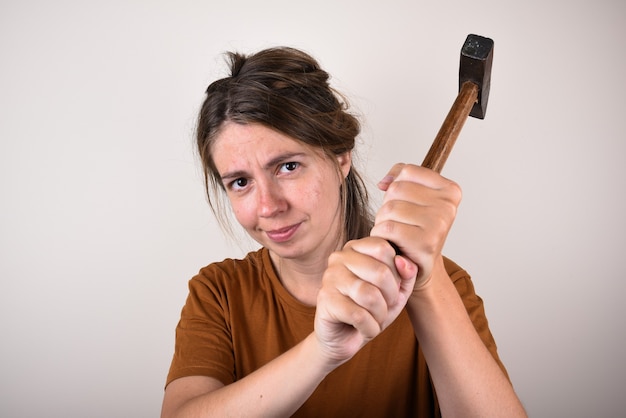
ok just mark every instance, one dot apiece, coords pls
pixel 475 66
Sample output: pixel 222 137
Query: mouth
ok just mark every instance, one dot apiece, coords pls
pixel 282 234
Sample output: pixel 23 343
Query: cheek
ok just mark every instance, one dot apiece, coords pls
pixel 325 192
pixel 317 193
pixel 242 213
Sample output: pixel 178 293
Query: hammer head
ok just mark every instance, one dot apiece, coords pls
pixel 475 66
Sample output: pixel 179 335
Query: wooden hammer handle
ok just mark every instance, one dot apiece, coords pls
pixel 451 127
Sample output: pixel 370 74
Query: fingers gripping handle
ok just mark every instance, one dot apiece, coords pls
pixel 474 85
pixel 449 131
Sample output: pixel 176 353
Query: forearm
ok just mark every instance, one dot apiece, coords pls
pixel 277 389
pixel 467 379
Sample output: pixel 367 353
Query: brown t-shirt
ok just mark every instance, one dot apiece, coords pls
pixel 238 317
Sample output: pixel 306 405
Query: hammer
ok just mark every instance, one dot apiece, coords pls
pixel 474 83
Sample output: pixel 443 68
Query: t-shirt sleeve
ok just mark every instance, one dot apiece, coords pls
pixel 475 308
pixel 203 345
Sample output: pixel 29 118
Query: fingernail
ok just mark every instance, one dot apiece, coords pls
pixel 388 179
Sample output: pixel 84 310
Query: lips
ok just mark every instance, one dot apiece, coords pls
pixel 282 234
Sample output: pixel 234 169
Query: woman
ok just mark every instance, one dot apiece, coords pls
pixel 326 319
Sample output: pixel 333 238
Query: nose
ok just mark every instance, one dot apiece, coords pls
pixel 270 199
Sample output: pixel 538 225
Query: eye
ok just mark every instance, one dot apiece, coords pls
pixel 289 166
pixel 239 183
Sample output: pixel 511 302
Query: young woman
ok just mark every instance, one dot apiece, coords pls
pixel 326 318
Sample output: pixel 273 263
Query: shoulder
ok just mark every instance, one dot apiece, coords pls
pixel 253 259
pixel 462 282
pixel 229 275
pixel 253 264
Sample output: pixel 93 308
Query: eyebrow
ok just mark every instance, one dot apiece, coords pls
pixel 271 163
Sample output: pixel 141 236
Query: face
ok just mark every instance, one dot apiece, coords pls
pixel 286 195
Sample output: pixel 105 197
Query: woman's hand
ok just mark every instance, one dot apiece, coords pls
pixel 365 287
pixel 417 213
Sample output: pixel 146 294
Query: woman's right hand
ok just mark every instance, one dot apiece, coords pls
pixel 364 289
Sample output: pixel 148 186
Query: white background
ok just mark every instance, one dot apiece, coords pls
pixel 103 218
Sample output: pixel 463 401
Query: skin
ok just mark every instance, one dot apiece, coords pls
pixel 418 210
pixel 286 196
pixel 281 193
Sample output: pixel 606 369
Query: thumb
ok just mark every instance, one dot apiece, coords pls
pixel 408 275
pixel 406 269
pixel 390 177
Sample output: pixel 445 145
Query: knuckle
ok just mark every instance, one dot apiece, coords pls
pixel 381 274
pixel 349 245
pixel 393 188
pixel 455 191
pixel 429 246
pixel 358 317
pixel 444 213
pixel 380 250
pixel 386 227
pixel 333 258
pixel 368 296
pixel 390 206
pixel 322 295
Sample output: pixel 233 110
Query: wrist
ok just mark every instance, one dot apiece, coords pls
pixel 317 357
pixel 431 289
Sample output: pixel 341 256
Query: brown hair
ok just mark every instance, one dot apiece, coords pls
pixel 286 90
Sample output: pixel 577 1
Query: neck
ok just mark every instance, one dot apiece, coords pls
pixel 301 274
pixel 301 278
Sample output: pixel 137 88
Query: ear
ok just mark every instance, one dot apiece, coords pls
pixel 345 163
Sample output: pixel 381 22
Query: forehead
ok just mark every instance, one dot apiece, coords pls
pixel 236 135
pixel 239 144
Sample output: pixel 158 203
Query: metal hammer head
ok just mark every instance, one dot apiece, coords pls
pixel 475 66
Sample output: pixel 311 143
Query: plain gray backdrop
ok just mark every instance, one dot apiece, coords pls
pixel 103 218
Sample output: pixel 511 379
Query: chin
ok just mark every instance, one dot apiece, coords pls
pixel 287 250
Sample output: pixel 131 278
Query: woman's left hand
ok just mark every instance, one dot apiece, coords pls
pixel 417 213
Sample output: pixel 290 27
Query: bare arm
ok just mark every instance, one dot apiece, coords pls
pixel 362 293
pixel 467 379
pixel 417 214
pixel 277 389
